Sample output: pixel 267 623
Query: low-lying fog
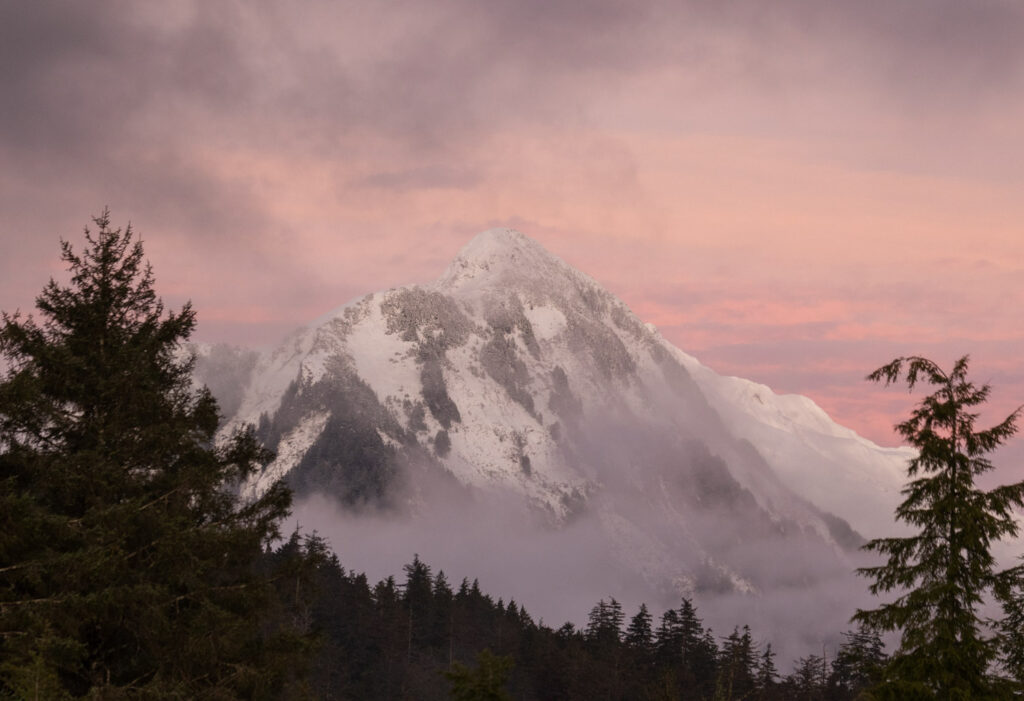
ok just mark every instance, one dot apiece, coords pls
pixel 559 574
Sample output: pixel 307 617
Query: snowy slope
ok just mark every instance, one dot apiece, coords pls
pixel 827 464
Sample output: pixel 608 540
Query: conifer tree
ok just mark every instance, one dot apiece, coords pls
pixel 691 632
pixel 417 597
pixel 128 564
pixel 1010 592
pixel 604 623
pixel 737 665
pixel 858 663
pixel 638 634
pixel 487 682
pixel 767 674
pixel 668 639
pixel 442 615
pixel 942 572
pixel 807 682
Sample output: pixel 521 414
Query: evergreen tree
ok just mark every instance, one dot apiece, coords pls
pixel 417 596
pixel 808 681
pixel 485 683
pixel 638 634
pixel 128 564
pixel 705 664
pixel 767 674
pixel 942 571
pixel 639 647
pixel 604 624
pixel 604 640
pixel 1010 591
pixel 442 616
pixel 697 646
pixel 737 666
pixel 668 639
pixel 858 663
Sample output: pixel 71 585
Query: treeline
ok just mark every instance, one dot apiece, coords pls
pixel 426 638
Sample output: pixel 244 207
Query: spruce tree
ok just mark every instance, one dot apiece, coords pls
pixel 417 597
pixel 807 682
pixel 668 639
pixel 943 571
pixel 486 682
pixel 737 667
pixel 604 623
pixel 858 663
pixel 638 634
pixel 1010 592
pixel 767 674
pixel 129 567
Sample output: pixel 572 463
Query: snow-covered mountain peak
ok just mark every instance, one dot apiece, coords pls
pixel 498 246
pixel 499 240
pixel 506 259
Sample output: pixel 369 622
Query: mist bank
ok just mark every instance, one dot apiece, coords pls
pixel 558 574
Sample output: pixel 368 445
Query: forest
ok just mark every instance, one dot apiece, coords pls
pixel 422 637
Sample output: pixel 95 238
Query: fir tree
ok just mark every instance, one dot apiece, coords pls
pixel 858 663
pixel 1010 592
pixel 487 682
pixel 695 654
pixel 638 634
pixel 442 616
pixel 417 596
pixel 767 674
pixel 128 564
pixel 943 571
pixel 737 666
pixel 604 637
pixel 807 683
pixel 604 624
pixel 668 639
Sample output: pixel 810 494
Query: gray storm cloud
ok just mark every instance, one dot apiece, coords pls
pixel 81 80
pixel 116 103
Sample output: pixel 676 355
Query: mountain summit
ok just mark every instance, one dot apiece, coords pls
pixel 506 257
pixel 517 382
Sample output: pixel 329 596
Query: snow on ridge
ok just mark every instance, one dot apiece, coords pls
pixel 504 258
pixel 828 464
pixel 290 450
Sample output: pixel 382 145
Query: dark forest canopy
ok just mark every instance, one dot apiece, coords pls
pixel 401 639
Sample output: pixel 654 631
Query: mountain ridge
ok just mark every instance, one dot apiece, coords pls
pixel 503 259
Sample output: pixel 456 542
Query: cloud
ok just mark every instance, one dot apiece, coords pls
pixel 428 177
pixel 77 77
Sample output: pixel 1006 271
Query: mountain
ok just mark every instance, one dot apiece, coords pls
pixel 516 396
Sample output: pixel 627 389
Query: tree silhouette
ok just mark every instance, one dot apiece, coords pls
pixel 128 564
pixel 942 571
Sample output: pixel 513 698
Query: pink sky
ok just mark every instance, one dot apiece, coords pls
pixel 793 195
